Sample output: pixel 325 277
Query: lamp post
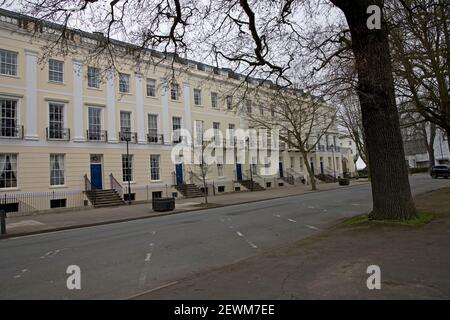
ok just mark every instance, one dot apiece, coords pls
pixel 251 160
pixel 126 135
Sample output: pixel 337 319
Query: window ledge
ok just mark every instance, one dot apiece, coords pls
pixel 61 186
pixel 156 181
pixel 57 83
pixel 9 76
pixel 10 189
pixel 94 88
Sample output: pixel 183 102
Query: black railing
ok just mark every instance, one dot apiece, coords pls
pixel 57 133
pixel 29 202
pixel 97 135
pixel 89 190
pixel 155 138
pixel 115 185
pixel 132 137
pixel 11 132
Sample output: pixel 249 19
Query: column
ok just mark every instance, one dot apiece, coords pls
pixel 78 101
pixel 31 95
pixel 111 107
pixel 187 107
pixel 140 108
pixel 165 111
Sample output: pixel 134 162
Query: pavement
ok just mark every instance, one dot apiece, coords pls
pixel 78 218
pixel 144 258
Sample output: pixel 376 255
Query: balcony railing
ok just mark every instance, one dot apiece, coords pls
pixel 97 135
pixel 62 134
pixel 155 138
pixel 126 135
pixel 11 132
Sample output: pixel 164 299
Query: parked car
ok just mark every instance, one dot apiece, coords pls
pixel 440 171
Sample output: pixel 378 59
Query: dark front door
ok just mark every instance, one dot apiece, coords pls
pixel 312 167
pixel 179 173
pixel 321 167
pixel 96 176
pixel 281 169
pixel 239 171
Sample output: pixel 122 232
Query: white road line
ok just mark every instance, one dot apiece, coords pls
pixel 24 270
pixel 355 204
pixel 148 257
pixel 152 290
pixel 17 276
pixel 311 227
pixel 277 215
pixel 291 220
pixel 254 246
pixel 310 207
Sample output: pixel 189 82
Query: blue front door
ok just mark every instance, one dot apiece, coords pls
pixel 281 169
pixel 179 173
pixel 238 171
pixel 96 176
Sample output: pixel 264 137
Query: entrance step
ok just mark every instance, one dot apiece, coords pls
pixel 189 190
pixel 104 198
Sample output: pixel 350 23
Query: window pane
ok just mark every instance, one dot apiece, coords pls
pixel 8 170
pixel 56 120
pixel 8 118
pixel 154 167
pixel 151 87
pixel 55 70
pixel 127 167
pixel 8 63
pixel 93 77
pixel 124 82
pixel 153 127
pixel 56 169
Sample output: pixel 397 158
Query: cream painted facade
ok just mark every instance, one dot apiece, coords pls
pixel 33 94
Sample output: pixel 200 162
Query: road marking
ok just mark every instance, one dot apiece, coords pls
pixel 311 227
pixel 310 207
pixel 152 290
pixel 355 204
pixel 254 246
pixel 24 223
pixel 17 276
pixel 291 220
pixel 24 270
pixel 148 257
pixel 277 215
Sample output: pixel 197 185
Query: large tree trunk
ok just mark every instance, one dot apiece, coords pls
pixel 312 178
pixel 388 171
pixel 430 145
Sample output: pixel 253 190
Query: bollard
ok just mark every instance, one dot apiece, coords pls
pixel 3 221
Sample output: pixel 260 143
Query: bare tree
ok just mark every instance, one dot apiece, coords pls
pixel 420 42
pixel 349 116
pixel 302 121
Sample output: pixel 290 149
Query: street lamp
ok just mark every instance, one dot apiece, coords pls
pixel 251 160
pixel 126 135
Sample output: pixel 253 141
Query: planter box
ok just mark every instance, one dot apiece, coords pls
pixel 163 204
pixel 344 181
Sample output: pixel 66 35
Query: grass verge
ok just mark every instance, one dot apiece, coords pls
pixel 421 220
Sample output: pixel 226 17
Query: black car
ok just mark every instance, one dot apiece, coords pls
pixel 440 171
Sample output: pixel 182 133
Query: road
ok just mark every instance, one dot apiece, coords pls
pixel 119 261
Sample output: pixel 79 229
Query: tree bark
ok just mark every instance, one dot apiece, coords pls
pixel 391 192
pixel 312 178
